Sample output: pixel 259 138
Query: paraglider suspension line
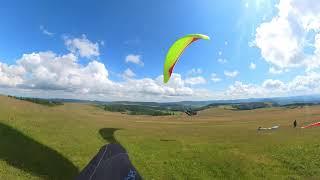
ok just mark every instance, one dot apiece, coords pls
pixel 105 150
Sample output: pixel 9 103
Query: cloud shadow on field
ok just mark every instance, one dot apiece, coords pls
pixel 23 152
pixel 108 134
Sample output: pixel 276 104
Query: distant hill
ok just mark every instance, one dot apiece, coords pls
pixel 46 102
pixel 240 104
pixel 299 105
pixel 314 99
pixel 135 109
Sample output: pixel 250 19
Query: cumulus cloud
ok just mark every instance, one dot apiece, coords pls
pixel 252 66
pixel 42 73
pixel 82 46
pixel 128 73
pixel 10 75
pixel 135 59
pixel 194 71
pixel 274 70
pixel 215 78
pixel 62 76
pixel 306 84
pixel 231 74
pixel 195 80
pixel 242 90
pixel 45 31
pixel 284 39
pixel 273 84
pixel 155 89
pixel 46 70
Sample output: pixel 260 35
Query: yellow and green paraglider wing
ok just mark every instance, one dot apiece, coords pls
pixel 175 52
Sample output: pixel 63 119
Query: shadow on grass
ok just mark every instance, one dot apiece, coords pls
pixel 167 140
pixel 22 152
pixel 108 134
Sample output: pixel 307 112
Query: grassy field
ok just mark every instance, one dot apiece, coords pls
pixel 40 142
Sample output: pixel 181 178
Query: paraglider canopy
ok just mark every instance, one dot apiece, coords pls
pixel 175 52
pixel 317 124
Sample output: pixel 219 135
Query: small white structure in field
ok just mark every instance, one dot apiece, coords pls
pixel 270 128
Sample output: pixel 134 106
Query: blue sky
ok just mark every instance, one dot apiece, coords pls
pixel 131 38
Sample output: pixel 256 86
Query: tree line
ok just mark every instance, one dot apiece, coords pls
pixel 137 110
pixel 46 102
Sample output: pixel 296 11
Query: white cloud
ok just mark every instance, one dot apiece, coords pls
pixel 128 73
pixel 222 61
pixel 49 75
pixel 215 78
pixel 220 53
pixel 252 43
pixel 61 76
pixel 269 88
pixel 82 46
pixel 252 66
pixel 195 80
pixel 46 74
pixel 226 43
pixel 194 71
pixel 274 70
pixel 283 40
pixel 45 31
pixel 231 74
pixel 46 70
pixel 155 89
pixel 135 59
pixel 241 90
pixel 287 51
pixel 306 84
pixel 10 75
pixel 272 84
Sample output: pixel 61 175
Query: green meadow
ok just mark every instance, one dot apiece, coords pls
pixel 43 142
